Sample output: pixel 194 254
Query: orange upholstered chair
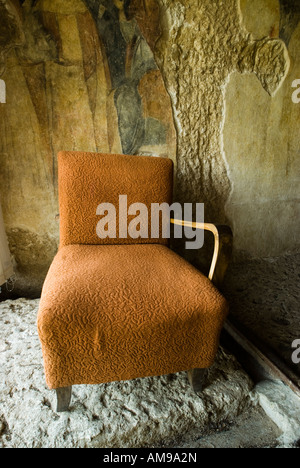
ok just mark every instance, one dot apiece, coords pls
pixel 122 308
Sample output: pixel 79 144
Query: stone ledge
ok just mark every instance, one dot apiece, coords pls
pixel 282 405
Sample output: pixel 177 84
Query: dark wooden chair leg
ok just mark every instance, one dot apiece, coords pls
pixel 63 399
pixel 197 379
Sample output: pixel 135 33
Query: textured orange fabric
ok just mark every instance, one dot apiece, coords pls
pixel 120 312
pixel 87 179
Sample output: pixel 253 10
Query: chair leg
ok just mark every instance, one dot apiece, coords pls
pixel 63 399
pixel 197 379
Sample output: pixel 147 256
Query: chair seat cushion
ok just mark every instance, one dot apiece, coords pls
pixel 120 312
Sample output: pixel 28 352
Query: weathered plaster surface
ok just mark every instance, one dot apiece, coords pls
pixel 226 72
pixel 203 43
pixel 60 96
pixel 261 18
pixel 11 33
pixel 261 143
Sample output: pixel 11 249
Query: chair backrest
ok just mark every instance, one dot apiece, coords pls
pixel 86 180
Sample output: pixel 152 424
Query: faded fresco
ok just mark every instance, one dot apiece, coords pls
pixel 91 76
pixel 79 77
pixel 135 80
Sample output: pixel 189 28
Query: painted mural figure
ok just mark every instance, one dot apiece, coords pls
pixel 130 59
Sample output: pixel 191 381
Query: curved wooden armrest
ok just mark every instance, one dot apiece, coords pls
pixel 222 249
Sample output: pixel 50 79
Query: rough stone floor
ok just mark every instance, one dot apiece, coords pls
pixel 264 296
pixel 156 412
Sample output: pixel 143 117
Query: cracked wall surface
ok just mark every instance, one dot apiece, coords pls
pixel 227 67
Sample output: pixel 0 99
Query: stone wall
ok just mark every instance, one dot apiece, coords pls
pixel 219 73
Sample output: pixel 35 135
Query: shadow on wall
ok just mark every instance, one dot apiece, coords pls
pixel 289 18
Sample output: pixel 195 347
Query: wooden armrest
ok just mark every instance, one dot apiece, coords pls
pixel 222 249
